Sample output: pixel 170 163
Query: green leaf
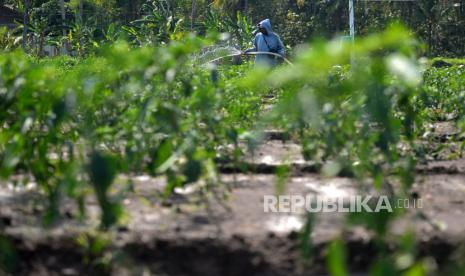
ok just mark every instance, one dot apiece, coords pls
pixel 102 172
pixel 8 256
pixel 192 170
pixel 336 259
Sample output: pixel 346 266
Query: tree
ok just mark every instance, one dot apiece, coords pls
pixel 63 20
pixel 25 23
pixel 81 9
pixel 193 14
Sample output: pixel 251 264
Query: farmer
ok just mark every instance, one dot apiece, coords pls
pixel 266 41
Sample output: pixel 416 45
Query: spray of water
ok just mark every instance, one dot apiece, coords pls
pixel 212 55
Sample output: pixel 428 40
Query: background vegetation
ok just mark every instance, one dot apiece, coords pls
pixel 129 98
pixel 438 23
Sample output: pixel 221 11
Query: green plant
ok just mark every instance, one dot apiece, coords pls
pixel 132 110
pixel 352 122
pixel 158 25
pixel 8 255
pixel 80 38
pixel 355 120
pixel 8 41
pixel 239 27
pixel 443 93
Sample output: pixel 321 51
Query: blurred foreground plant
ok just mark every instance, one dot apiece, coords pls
pixel 358 120
pixel 144 110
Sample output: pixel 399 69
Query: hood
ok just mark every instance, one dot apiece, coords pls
pixel 267 25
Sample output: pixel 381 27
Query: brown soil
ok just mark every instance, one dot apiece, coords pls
pixel 226 232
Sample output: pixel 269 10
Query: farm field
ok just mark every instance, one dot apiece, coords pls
pixel 180 138
pixel 184 236
pixel 203 214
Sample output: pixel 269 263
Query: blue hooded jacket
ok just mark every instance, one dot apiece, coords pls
pixel 267 43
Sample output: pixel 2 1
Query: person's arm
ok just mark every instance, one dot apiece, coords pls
pixel 281 49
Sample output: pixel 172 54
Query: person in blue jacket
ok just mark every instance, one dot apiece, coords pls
pixel 266 41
